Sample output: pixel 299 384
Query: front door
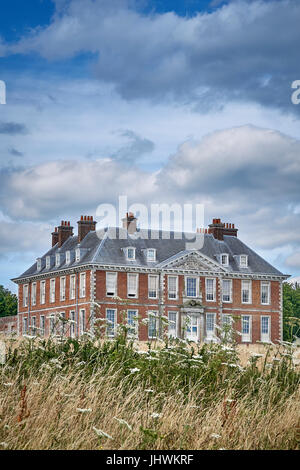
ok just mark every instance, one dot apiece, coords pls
pixel 192 327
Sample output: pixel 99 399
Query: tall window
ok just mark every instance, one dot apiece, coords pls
pixel 265 292
pixel 62 288
pixel 172 287
pixel 210 288
pixel 25 295
pixel 81 322
pixel 25 325
pixel 72 287
pixel 43 292
pixel 72 324
pixel 111 321
pixel 152 286
pixel 52 290
pixel 42 325
pixel 153 323
pixel 33 293
pixel 132 285
pixel 246 292
pixel 47 262
pixel 82 284
pixel 246 328
pixel 210 325
pixel 132 322
pixel 111 284
pixel 57 259
pixel 265 328
pixel 172 324
pixel 77 254
pixel 151 254
pixel 191 286
pixel 227 290
pixel 33 326
pixel 38 264
pixel 52 326
pixel 68 257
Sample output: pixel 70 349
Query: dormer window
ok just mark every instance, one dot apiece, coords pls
pixel 47 262
pixel 151 254
pixel 57 259
pixel 68 257
pixel 224 259
pixel 38 264
pixel 243 261
pixel 77 254
pixel 130 253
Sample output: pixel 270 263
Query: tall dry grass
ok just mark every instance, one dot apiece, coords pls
pixel 81 396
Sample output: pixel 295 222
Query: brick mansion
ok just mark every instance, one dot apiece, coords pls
pixel 146 274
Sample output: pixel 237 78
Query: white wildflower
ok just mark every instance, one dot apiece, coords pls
pixel 133 371
pixel 84 410
pixel 257 355
pixel 149 390
pixel 122 421
pixel 215 436
pixel 101 433
pixel 4 445
pixel 155 415
pixel 8 384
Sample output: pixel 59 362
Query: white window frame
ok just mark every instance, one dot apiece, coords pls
pixel 156 277
pixel 170 335
pixel 33 293
pixel 268 284
pixel 48 262
pixel 249 282
pixel 73 324
pixel 210 334
pixel 176 288
pixel 186 286
pixel 230 291
pixel 62 288
pixel 25 325
pixel 151 250
pixel 68 257
pixel 52 326
pixel 42 292
pixel 109 328
pixel 38 264
pixel 132 330
pixel 135 294
pixel 262 337
pixel 57 259
pixel 244 264
pixel 82 285
pixel 72 291
pixel 25 295
pixel 52 290
pixel 42 325
pixel 127 253
pixel 153 316
pixel 82 321
pixel 227 259
pixel 110 293
pixel 33 326
pixel 214 289
pixel 246 337
pixel 77 255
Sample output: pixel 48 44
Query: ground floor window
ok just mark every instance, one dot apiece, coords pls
pixel 72 324
pixel 111 321
pixel 210 325
pixel 81 322
pixel 42 325
pixel 132 322
pixel 25 325
pixel 265 328
pixel 172 324
pixel 153 325
pixel 246 328
pixel 192 327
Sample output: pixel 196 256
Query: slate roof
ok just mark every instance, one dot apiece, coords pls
pixel 103 248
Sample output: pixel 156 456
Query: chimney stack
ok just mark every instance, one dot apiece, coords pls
pixel 129 222
pixel 64 231
pixel 86 224
pixel 219 229
pixel 54 237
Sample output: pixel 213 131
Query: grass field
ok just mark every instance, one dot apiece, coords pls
pixel 68 394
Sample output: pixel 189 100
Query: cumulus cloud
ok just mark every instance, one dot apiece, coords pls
pixel 135 149
pixel 231 53
pixel 294 260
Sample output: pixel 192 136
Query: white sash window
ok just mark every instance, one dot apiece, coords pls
pixel 210 325
pixel 72 327
pixel 62 288
pixel 227 290
pixel 265 329
pixel 132 322
pixel 132 285
pixel 72 286
pixel 172 325
pixel 43 291
pixel 152 286
pixel 172 287
pixel 191 286
pixel 25 323
pixel 153 325
pixel 111 321
pixel 25 295
pixel 246 328
pixel 265 292
pixel 210 287
pixel 246 292
pixel 82 284
pixel 81 322
pixel 33 326
pixel 33 294
pixel 52 290
pixel 42 325
pixel 111 284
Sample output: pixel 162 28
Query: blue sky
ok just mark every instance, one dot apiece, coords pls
pixel 165 101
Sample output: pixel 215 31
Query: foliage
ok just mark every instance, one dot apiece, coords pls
pixel 8 303
pixel 291 312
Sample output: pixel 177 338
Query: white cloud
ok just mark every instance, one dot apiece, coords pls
pixel 294 260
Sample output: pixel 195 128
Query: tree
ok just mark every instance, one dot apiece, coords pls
pixel 291 311
pixel 8 303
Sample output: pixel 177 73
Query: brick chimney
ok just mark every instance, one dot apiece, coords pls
pixel 86 224
pixel 129 222
pixel 219 229
pixel 55 237
pixel 64 232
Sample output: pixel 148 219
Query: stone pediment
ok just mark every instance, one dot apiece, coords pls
pixel 195 262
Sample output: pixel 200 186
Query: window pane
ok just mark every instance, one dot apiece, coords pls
pixel 110 316
pixel 191 287
pixel 132 285
pixel 172 317
pixel 245 325
pixel 153 286
pixel 210 320
pixel 172 287
pixel 210 288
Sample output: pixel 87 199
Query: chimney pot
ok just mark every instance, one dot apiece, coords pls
pixel 86 224
pixel 129 222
